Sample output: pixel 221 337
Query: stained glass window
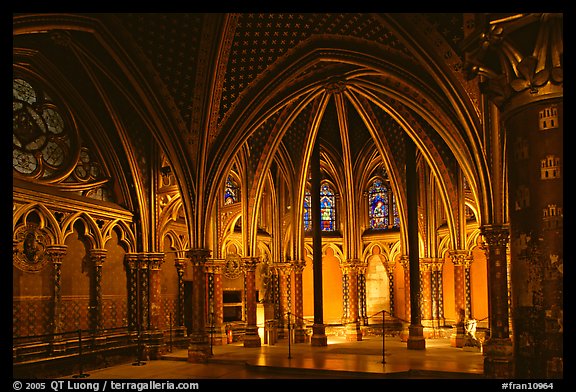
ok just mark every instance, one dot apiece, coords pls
pixel 327 209
pixel 231 192
pixel 307 215
pixel 383 211
pixel 40 140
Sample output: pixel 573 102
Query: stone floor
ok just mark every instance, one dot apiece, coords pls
pixel 370 358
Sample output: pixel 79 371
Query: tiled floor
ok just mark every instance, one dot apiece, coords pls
pixel 338 360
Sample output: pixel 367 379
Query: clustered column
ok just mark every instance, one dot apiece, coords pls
pixel 198 348
pixel 461 260
pixel 180 264
pixel 284 271
pixel 251 336
pixel 56 253
pixel 215 301
pixel 97 256
pixel 300 330
pixel 353 331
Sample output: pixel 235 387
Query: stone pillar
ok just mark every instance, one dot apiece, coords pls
pixel 180 328
pixel 131 265
pixel 56 253
pixel 416 339
pixel 97 256
pixel 319 337
pixel 300 330
pixel 350 270
pixel 284 271
pixel 437 266
pixel 519 62
pixel 155 336
pixel 363 313
pixel 498 351
pixel 390 266
pixel 251 336
pixel 461 260
pixel 143 293
pixel 198 348
pixel 406 268
pixel 214 268
pixel 426 291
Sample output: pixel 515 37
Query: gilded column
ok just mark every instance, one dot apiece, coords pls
pixel 498 350
pixel 131 265
pixel 390 266
pixel 426 290
pixel 404 261
pixel 97 256
pixel 362 311
pixel 300 330
pixel 155 336
pixel 437 266
pixel 56 253
pixel 519 59
pixel 180 264
pixel 251 336
pixel 284 271
pixel 198 348
pixel 214 268
pixel 353 331
pixel 461 260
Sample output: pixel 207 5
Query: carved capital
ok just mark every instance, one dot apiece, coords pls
pixel 198 257
pixel 97 256
pixel 495 236
pixel 461 257
pixel 215 266
pixel 512 73
pixel 299 266
pixel 56 253
pixel 249 264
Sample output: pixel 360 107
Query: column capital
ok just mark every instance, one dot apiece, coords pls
pixel 97 255
pixel 299 266
pixel 155 260
pixel 350 266
pixel 461 257
pixel 495 235
pixel 283 268
pixel 249 264
pixel 198 256
pixel 516 75
pixel 215 266
pixel 405 262
pixel 56 252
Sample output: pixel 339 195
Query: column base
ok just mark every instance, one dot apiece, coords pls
pixel 251 337
pixel 416 340
pixel 300 335
pixel 318 338
pixel 498 358
pixel 199 348
pixel 353 332
pixel 458 337
pixel 218 335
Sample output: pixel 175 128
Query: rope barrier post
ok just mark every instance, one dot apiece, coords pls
pixel 81 373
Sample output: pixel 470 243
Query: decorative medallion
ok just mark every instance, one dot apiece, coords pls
pixel 30 252
pixel 233 268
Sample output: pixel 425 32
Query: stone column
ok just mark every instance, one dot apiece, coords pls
pixel 404 261
pixel 214 268
pixel 363 315
pixel 498 351
pixel 251 336
pixel 437 265
pixel 519 62
pixel 143 292
pixel 390 266
pixel 131 265
pixel 300 330
pixel 284 271
pixel 350 270
pixel 97 256
pixel 198 348
pixel 56 253
pixel 461 260
pixel 426 291
pixel 155 335
pixel 180 329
